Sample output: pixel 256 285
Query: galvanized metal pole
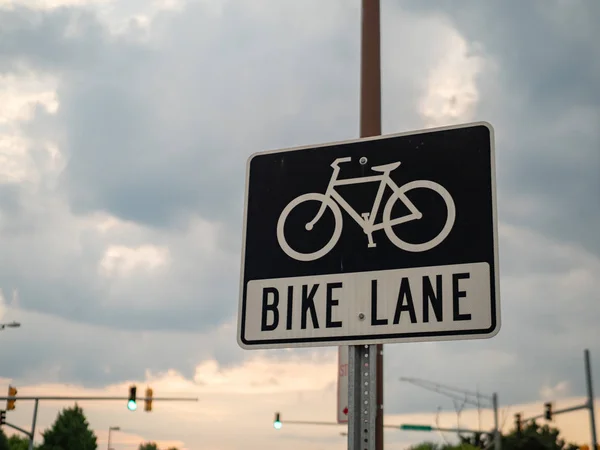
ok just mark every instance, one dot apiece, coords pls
pixel 35 411
pixel 590 393
pixel 497 434
pixel 362 399
pixel 370 125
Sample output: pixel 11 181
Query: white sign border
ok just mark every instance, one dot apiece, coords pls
pixel 357 341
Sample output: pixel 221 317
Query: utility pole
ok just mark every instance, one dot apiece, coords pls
pixel 497 434
pixel 590 394
pixel 365 376
pixel 453 393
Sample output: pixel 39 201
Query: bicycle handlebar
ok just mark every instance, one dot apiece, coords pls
pixel 341 160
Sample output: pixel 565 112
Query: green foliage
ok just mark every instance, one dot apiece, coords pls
pixel 152 446
pixel 476 441
pixel 16 442
pixel 434 446
pixel 3 441
pixel 148 446
pixel 532 437
pixel 70 431
pixel 535 437
pixel 425 446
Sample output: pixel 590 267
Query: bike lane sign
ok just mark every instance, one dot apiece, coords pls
pixel 375 240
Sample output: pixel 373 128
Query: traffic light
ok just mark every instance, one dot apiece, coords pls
pixel 548 410
pixel 10 404
pixel 2 417
pixel 277 422
pixel 518 424
pixel 148 400
pixel 132 402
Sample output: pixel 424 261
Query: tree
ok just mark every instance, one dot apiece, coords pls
pixel 70 431
pixel 152 446
pixel 3 441
pixel 16 442
pixel 148 446
pixel 434 446
pixel 531 437
pixel 535 437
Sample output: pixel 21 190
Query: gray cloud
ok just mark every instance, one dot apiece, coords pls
pixel 544 100
pixel 153 134
pixel 48 349
pixel 158 133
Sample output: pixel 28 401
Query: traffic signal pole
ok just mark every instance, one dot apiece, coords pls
pixel 589 404
pixel 33 423
pixel 36 400
pixel 76 397
pixel 590 399
pixel 558 411
pixel 27 433
pixel 403 427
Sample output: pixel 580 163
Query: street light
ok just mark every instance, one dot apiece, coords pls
pixel 12 324
pixel 109 431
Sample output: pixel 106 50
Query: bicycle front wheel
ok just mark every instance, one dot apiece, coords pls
pixel 448 224
pixel 337 231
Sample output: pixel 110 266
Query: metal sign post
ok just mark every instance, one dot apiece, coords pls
pixel 362 397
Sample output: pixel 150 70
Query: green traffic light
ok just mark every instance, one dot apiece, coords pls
pixel 277 425
pixel 131 405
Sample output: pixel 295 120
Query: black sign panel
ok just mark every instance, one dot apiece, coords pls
pixel 378 240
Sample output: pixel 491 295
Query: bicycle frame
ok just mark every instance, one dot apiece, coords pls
pixel 368 222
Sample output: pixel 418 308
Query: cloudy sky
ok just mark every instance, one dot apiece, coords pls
pixel 125 126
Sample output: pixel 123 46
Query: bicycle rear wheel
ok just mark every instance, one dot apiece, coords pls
pixel 337 231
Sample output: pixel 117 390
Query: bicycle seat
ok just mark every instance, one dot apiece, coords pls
pixel 386 167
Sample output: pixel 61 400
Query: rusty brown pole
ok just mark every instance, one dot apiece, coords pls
pixel 370 70
pixel 370 125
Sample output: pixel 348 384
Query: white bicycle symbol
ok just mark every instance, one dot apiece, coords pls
pixel 367 221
